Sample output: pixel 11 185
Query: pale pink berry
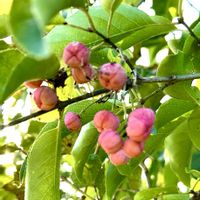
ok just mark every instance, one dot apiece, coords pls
pixel 110 141
pixel 104 120
pixel 132 148
pixel 83 74
pixel 45 98
pixel 72 121
pixel 33 84
pixel 136 129
pixel 146 115
pixel 118 158
pixel 112 76
pixel 76 55
pixel 140 122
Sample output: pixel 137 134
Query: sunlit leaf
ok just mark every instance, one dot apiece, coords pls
pixel 176 65
pixel 179 157
pixel 172 109
pixel 15 69
pixel 176 197
pixel 25 29
pixel 112 181
pixel 150 193
pixel 194 126
pixel 129 26
pixel 83 146
pixel 42 174
pixel 44 13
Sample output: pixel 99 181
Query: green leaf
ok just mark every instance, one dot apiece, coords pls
pixel 172 109
pixel 110 6
pixel 15 69
pixel 178 148
pixel 176 45
pixel 84 146
pixel 195 160
pixel 163 8
pixel 129 26
pixel 194 93
pixel 194 126
pixel 22 172
pixel 44 13
pixel 147 89
pixel 176 197
pixel 194 173
pixel 3 26
pixel 176 65
pixel 150 193
pixel 112 181
pixel 192 48
pixel 25 29
pixel 3 45
pixel 42 174
pixel 170 179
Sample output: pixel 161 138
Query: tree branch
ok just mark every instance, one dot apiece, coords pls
pixel 172 79
pixel 60 106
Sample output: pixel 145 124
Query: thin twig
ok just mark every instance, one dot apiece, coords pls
pixel 146 172
pixel 181 21
pixel 144 99
pixel 77 27
pixel 107 40
pixel 168 79
pixel 76 188
pixel 173 78
pixel 60 106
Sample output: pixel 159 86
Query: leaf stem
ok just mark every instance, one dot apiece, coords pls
pixel 181 21
pixel 144 99
pixel 180 10
pixel 76 188
pixel 146 172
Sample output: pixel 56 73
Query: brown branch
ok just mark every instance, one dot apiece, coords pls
pixel 60 106
pixel 172 79
pixel 181 21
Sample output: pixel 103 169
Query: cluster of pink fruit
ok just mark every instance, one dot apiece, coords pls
pixel 44 97
pixel 140 122
pixel 111 75
pixel 76 55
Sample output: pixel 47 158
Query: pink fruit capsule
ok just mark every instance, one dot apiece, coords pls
pixel 132 148
pixel 45 98
pixel 112 76
pixel 118 158
pixel 83 74
pixel 72 121
pixel 110 141
pixel 104 120
pixel 136 129
pixel 76 55
pixel 33 84
pixel 146 115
